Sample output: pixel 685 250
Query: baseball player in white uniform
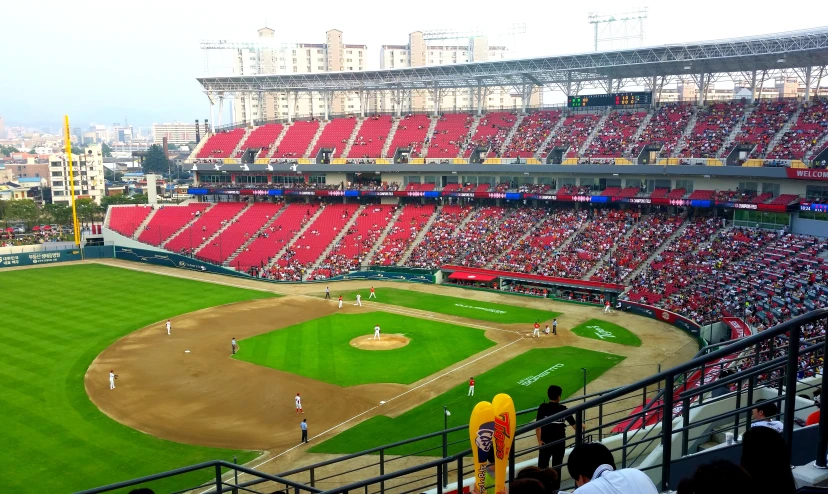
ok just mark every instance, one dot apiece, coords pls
pixel 299 404
pixel 377 332
pixel 359 300
pixel 340 301
pixel 112 377
pixel 607 307
pixel 169 326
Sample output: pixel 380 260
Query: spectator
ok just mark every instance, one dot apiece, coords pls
pixel 592 467
pixel 547 476
pixel 718 477
pixel 765 458
pixel 527 486
pixel 762 416
pixel 552 436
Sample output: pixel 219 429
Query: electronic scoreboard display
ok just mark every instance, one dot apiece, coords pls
pixel 612 99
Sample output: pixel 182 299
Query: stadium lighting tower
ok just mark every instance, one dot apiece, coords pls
pixel 619 30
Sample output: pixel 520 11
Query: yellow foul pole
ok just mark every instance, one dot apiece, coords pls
pixel 68 145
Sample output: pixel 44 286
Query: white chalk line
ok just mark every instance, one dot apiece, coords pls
pixel 394 309
pixel 378 406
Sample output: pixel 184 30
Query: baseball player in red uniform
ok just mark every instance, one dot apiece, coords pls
pixel 372 295
pixel 536 332
pixel 471 387
pixel 340 301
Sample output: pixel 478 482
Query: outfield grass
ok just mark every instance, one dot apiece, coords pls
pixel 505 378
pixel 606 331
pixel 56 320
pixel 320 348
pixel 453 306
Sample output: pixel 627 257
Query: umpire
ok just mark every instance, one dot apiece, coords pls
pixel 552 437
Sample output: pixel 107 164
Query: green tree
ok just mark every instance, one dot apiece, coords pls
pixel 87 210
pixel 172 147
pixel 32 151
pixel 24 210
pixel 156 160
pixel 106 150
pixel 113 175
pixel 59 213
pixel 7 150
pixel 76 150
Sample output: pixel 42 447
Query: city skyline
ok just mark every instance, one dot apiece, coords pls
pixel 146 69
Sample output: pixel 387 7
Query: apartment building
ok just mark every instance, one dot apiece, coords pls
pixel 88 171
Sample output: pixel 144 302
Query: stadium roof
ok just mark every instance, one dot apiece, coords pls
pixel 795 49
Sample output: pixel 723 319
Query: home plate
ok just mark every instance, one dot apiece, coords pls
pixel 186 351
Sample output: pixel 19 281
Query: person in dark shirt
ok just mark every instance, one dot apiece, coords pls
pixel 552 435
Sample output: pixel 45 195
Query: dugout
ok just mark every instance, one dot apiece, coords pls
pixel 533 285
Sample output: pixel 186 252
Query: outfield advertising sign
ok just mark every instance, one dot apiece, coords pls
pixel 35 258
pixel 672 318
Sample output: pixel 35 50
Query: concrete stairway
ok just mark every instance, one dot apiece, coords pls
pixel 352 138
pixel 539 153
pixel 511 134
pixel 778 137
pixel 819 145
pixel 605 258
pixel 241 142
pixel 667 243
pixel 143 225
pixel 335 242
pixel 634 139
pixel 395 122
pixel 432 126
pixel 370 256
pixel 725 148
pixel 529 231
pixel 420 236
pixel 472 130
pixel 193 220
pixel 691 124
pixel 200 145
pixel 275 145
pixel 598 127
pixel 211 237
pixel 253 237
pixel 315 139
pixel 290 242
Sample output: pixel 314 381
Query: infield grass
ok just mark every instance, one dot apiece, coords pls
pixel 564 366
pixel 453 306
pixel 320 348
pixel 606 331
pixel 56 320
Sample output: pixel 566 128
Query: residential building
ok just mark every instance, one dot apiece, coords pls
pixel 176 133
pixel 88 171
pixel 2 128
pixel 303 58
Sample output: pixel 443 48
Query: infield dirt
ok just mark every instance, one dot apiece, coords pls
pixel 205 397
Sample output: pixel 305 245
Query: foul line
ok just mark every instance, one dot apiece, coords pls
pixel 378 406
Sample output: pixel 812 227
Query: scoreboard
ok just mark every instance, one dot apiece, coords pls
pixel 612 99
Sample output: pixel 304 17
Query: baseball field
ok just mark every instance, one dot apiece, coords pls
pixel 185 398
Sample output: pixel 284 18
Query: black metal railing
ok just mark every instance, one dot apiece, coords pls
pixel 646 424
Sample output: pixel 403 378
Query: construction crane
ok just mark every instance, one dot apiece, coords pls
pixel 469 34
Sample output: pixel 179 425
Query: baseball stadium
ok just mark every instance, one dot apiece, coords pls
pixel 335 299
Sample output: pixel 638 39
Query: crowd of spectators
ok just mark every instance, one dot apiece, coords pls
pixel 805 134
pixel 714 123
pixel 572 133
pixel 664 128
pixel 531 133
pixel 439 238
pixel 491 133
pixel 527 254
pixel 763 123
pixel 646 237
pixel 613 139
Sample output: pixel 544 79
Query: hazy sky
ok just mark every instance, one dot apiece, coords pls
pixel 101 61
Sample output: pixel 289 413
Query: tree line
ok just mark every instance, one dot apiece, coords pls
pixel 28 212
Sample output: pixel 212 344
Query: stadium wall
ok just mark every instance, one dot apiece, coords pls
pixel 671 318
pixel 803 226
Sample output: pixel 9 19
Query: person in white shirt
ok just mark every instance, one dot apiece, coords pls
pixel 359 300
pixel 377 332
pixel 168 327
pixel 112 377
pixel 592 467
pixel 762 416
pixel 298 401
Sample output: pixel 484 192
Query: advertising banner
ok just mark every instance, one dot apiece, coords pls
pixel 35 258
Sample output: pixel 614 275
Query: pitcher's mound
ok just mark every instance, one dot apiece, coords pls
pixel 388 342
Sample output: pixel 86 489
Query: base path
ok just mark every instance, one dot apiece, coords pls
pixel 205 397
